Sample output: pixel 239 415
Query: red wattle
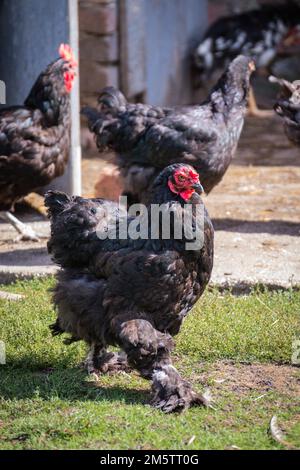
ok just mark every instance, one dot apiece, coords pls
pixel 187 194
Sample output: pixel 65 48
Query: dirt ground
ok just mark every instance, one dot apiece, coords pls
pixel 261 378
pixel 255 211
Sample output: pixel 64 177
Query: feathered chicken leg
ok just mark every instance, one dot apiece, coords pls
pixel 253 109
pixel 148 351
pixel 25 231
pixel 100 361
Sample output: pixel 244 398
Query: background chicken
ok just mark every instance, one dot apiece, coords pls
pixel 288 107
pixel 262 34
pixel 148 138
pixel 134 293
pixel 35 138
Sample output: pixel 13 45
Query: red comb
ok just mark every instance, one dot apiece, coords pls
pixel 194 175
pixel 66 53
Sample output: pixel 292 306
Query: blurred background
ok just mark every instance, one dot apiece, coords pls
pixel 146 48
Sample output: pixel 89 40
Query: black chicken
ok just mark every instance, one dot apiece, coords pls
pixel 262 34
pixel 288 107
pixel 134 292
pixel 148 138
pixel 75 223
pixel 35 138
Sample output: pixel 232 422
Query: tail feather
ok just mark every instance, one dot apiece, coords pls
pixel 55 201
pixel 113 127
pixel 111 98
pixel 101 125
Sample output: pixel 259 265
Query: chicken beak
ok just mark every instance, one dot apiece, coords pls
pixel 198 188
pixel 252 66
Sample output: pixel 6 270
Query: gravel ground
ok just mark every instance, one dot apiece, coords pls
pixel 256 213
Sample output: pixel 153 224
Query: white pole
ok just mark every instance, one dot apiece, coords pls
pixel 73 177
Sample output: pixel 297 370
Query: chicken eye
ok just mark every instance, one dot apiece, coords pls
pixel 180 178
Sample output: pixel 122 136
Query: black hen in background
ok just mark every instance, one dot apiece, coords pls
pixel 148 138
pixel 288 108
pixel 35 137
pixel 131 292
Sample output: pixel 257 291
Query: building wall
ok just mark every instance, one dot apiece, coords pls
pixel 143 47
pixel 26 45
pixel 173 28
pixel 217 8
pixel 98 46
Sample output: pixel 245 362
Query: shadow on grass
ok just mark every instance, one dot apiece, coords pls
pixel 65 384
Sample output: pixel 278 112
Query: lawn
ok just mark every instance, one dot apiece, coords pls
pixel 238 347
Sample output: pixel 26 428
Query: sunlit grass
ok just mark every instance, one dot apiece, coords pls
pixel 47 401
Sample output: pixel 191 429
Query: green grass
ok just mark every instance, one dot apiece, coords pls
pixel 47 401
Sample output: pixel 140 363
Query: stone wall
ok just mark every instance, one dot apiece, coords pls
pixel 99 48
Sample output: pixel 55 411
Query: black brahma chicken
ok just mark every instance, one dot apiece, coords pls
pixel 148 138
pixel 288 107
pixel 133 292
pixel 262 34
pixel 35 137
pixel 74 223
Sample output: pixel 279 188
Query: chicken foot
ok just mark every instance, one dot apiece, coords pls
pixel 100 361
pixel 148 351
pixel 25 231
pixel 170 392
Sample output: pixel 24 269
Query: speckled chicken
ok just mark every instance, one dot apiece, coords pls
pixel 131 292
pixel 35 137
pixel 148 138
pixel 288 107
pixel 263 34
